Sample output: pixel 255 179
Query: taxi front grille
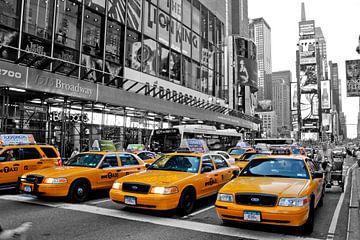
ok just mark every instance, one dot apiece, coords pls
pixel 135 187
pixel 255 199
pixel 34 178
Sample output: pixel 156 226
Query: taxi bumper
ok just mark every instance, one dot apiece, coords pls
pixel 147 201
pixel 46 190
pixel 277 215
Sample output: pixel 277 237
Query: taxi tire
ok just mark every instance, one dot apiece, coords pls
pixel 187 201
pixel 77 187
pixel 308 227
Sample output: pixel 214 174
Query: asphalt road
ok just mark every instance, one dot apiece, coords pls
pixel 99 218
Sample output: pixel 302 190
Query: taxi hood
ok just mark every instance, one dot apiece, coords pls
pixel 159 178
pixel 285 187
pixel 63 171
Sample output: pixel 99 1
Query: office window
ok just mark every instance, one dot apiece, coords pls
pixel 204 23
pixel 116 10
pixel 134 8
pixel 149 56
pixel 187 72
pixel 163 61
pixel 133 50
pixel 174 67
pixel 150 19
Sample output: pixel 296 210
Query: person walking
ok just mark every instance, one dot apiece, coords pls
pixel 75 152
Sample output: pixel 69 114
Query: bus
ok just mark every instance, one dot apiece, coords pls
pixel 169 139
pixel 272 141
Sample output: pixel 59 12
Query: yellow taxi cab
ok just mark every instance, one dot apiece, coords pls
pixel 281 150
pixel 275 189
pixel 175 180
pixel 80 174
pixel 248 156
pixel 237 152
pixel 20 154
pixel 140 150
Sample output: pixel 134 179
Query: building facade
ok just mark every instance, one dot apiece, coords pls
pixel 269 124
pixel 281 101
pixel 260 33
pixel 116 69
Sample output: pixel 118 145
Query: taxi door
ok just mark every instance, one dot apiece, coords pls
pixel 32 159
pixel 109 171
pixel 129 164
pixel 11 166
pixel 317 182
pixel 208 180
pixel 223 171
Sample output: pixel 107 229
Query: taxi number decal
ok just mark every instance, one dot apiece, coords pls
pixel 9 169
pixel 110 175
pixel 211 182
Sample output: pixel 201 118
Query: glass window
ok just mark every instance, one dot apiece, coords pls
pixel 49 152
pixel 8 38
pixel 211 53
pixel 176 9
pixel 85 160
pixel 150 20
pixel 164 5
pixel 174 67
pixel 163 60
pixel 128 160
pixel 114 42
pixel 149 56
pixel 211 27
pixel 204 80
pixel 66 54
pixel 176 35
pixel 111 161
pixel 211 87
pixel 177 163
pixel 92 46
pixel 116 10
pixel 133 50
pixel 196 16
pixel 204 23
pixel 38 18
pixel 68 22
pixel 186 40
pixel 204 52
pixel 187 73
pixel 97 5
pixel 134 14
pixel 196 82
pixel 220 162
pixel 10 155
pixel 30 153
pixel 207 161
pixel 164 25
pixel 187 13
pixel 218 86
pixel 37 45
pixel 196 47
pixel 146 155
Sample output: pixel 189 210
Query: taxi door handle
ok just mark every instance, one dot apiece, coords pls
pixel 119 170
pixel 216 175
pixel 16 165
pixel 39 163
pixel 138 168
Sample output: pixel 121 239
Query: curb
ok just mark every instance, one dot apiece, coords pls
pixel 353 230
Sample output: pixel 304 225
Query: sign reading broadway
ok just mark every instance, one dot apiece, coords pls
pixel 353 78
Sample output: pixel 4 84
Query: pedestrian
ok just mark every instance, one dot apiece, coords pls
pixel 74 153
pixel 16 233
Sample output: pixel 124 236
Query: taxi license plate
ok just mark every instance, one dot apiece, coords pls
pixel 130 200
pixel 27 189
pixel 253 216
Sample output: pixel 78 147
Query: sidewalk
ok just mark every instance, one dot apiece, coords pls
pixel 354 211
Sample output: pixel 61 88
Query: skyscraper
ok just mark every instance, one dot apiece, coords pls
pixel 281 100
pixel 260 32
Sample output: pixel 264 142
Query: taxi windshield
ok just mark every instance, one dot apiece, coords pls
pixel 85 160
pixel 237 151
pixel 276 167
pixel 178 163
pixel 251 156
pixel 296 151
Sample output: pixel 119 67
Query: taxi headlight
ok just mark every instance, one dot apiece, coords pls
pixel 117 185
pixel 294 202
pixel 223 197
pixel 164 190
pixel 23 178
pixel 55 180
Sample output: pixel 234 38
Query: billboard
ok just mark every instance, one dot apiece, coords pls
pixel 325 94
pixel 307 49
pixel 309 136
pixel 308 78
pixel 264 106
pixel 293 96
pixel 353 78
pixel 246 72
pixel 306 28
pixel 309 106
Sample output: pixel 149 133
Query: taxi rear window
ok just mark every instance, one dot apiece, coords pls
pixel 49 152
pixel 237 151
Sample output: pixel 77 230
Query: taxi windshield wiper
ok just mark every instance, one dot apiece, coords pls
pixel 281 176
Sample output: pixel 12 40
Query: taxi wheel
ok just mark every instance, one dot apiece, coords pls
pixel 187 201
pixel 308 227
pixel 79 191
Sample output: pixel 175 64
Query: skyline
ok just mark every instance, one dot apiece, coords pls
pixel 283 47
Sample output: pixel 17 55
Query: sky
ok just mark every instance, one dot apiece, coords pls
pixel 340 24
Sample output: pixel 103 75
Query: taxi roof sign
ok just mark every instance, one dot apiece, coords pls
pixel 103 145
pixel 16 139
pixel 194 145
pixel 135 147
pixel 241 144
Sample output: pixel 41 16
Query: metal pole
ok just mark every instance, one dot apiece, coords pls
pixel 63 127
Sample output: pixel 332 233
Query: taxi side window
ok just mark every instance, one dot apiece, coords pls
pixel 220 162
pixel 29 153
pixel 145 156
pixel 111 161
pixel 206 161
pixel 10 155
pixel 128 160
pixel 49 152
pixel 312 167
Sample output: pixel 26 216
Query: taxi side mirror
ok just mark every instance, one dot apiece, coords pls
pixel 206 169
pixel 317 175
pixel 147 165
pixel 236 173
pixel 105 165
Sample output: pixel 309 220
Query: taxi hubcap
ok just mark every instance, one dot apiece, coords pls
pixel 80 191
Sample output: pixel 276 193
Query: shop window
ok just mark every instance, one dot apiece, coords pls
pixel 174 67
pixel 134 8
pixel 187 13
pixel 133 50
pixel 38 46
pixel 150 19
pixel 196 16
pixel 164 28
pixel 92 46
pixel 66 57
pixel 176 9
pixel 196 81
pixel 97 5
pixel 38 18
pixel 8 38
pixel 186 41
pixel 116 10
pixel 163 60
pixel 195 47
pixel 148 57
pixel 204 78
pixel 187 72
pixel 204 23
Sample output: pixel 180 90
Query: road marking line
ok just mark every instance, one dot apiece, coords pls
pixel 169 222
pixel 336 215
pixel 198 212
pixel 99 201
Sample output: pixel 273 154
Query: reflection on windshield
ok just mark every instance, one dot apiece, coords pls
pixel 177 163
pixel 85 160
pixel 237 151
pixel 276 167
pixel 254 155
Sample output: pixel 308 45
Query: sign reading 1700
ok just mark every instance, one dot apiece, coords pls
pixel 10 73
